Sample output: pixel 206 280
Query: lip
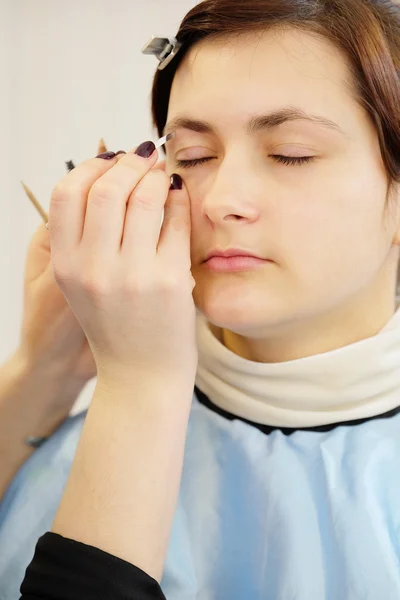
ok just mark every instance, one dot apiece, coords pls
pixel 231 252
pixel 234 264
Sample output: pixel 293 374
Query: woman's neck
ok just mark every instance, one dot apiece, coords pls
pixel 309 336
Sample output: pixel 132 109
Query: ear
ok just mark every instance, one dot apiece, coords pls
pixel 395 211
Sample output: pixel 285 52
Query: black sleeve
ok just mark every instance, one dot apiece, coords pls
pixel 63 569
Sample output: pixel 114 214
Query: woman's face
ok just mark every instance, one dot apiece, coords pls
pixel 321 221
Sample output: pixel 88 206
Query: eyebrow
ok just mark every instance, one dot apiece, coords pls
pixel 257 123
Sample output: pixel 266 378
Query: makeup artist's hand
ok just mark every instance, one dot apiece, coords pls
pixel 52 340
pixel 128 283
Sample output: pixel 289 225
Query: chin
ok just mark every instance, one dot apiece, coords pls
pixel 241 310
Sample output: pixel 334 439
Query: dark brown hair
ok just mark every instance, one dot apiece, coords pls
pixel 368 31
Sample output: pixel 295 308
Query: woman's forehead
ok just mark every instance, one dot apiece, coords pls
pixel 264 64
pixel 266 72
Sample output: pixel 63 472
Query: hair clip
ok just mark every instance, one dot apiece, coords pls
pixel 163 48
pixel 35 442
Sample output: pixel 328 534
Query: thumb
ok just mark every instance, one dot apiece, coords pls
pixel 38 255
pixel 174 241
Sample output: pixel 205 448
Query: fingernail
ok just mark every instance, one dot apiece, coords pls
pixel 176 182
pixel 145 150
pixel 120 152
pixel 106 155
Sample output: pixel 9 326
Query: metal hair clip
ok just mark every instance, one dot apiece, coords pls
pixel 163 48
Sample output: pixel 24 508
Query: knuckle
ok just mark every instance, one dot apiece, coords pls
pixel 94 285
pixel 136 286
pixel 63 191
pixel 145 200
pixel 171 284
pixel 103 192
pixel 62 274
pixel 60 192
pixel 147 193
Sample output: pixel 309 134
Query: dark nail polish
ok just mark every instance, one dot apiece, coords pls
pixel 70 165
pixel 176 182
pixel 106 155
pixel 145 150
pixel 120 152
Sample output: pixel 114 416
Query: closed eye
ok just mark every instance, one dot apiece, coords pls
pixel 286 160
pixel 186 164
pixel 293 160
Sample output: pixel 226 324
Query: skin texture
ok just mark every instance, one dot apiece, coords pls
pixel 128 285
pixel 327 226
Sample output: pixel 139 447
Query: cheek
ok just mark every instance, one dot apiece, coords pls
pixel 328 227
pixel 333 232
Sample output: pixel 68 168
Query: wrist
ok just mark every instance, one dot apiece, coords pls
pixel 142 383
pixel 52 371
pixel 33 402
pixel 138 425
pixel 46 375
pixel 45 395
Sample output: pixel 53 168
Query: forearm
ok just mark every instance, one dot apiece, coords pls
pixel 123 486
pixel 32 402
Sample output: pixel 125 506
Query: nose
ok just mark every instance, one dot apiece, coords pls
pixel 234 193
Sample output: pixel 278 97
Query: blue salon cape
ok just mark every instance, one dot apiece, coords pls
pixel 310 516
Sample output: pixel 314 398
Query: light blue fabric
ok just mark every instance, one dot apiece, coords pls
pixel 313 516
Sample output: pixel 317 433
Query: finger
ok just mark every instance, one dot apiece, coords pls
pixel 38 255
pixel 143 220
pixel 107 204
pixel 68 203
pixel 174 243
pixel 120 154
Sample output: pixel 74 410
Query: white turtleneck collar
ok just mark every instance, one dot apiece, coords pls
pixel 357 381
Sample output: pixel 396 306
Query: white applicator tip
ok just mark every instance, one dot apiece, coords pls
pixel 164 139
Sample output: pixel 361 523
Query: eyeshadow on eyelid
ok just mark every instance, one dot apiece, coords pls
pixel 191 153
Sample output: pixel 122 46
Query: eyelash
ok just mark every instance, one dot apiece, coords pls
pixel 286 160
